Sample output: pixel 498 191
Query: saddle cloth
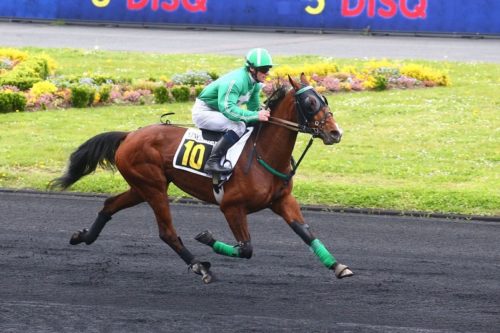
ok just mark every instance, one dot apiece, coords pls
pixel 196 146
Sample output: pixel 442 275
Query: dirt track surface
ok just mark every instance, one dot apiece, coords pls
pixel 412 275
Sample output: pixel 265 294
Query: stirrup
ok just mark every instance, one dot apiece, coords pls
pixel 217 169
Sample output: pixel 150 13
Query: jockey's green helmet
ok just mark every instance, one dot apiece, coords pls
pixel 258 58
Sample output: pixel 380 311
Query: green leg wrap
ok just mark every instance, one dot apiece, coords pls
pixel 322 253
pixel 225 249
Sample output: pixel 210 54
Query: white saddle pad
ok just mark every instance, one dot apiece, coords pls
pixel 194 150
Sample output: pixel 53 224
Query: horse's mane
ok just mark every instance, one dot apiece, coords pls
pixel 277 95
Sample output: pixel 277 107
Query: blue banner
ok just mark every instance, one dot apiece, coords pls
pixel 462 17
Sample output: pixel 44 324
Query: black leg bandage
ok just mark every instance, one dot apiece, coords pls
pixel 303 231
pixel 186 256
pixel 96 228
pixel 245 250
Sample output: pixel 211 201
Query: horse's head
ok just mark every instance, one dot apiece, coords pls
pixel 314 113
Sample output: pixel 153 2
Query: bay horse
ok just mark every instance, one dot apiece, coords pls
pixel 261 179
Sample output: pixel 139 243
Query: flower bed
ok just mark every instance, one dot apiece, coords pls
pixel 30 83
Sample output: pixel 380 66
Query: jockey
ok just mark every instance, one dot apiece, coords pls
pixel 217 108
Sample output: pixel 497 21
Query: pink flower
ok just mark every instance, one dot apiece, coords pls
pixel 132 96
pixel 331 83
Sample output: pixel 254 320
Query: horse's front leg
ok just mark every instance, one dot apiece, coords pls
pixel 288 208
pixel 158 200
pixel 237 220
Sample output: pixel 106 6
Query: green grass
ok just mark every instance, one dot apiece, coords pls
pixel 434 150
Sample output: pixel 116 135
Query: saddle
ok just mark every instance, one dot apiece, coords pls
pixel 195 148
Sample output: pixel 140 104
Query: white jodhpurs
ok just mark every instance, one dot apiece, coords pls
pixel 207 118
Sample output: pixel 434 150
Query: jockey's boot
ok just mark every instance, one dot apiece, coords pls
pixel 218 151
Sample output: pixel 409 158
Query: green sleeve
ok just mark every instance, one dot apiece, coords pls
pixel 254 101
pixel 228 103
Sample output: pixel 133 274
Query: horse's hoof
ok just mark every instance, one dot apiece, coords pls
pixel 342 271
pixel 208 278
pixel 203 269
pixel 206 238
pixel 77 237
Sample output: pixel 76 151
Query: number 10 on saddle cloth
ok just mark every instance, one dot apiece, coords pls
pixel 195 149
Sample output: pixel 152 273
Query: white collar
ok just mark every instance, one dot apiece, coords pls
pixel 251 77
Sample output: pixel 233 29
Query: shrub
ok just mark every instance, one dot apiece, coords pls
pixel 101 79
pixel 13 54
pixel 26 73
pixel 11 102
pixel 144 85
pixel 43 87
pixel 6 64
pixel 197 90
pixel 181 93
pixel 423 73
pixel 82 96
pixel 381 83
pixel 132 96
pixel 42 102
pixel 161 95
pixel 213 75
pixel 49 62
pixel 105 92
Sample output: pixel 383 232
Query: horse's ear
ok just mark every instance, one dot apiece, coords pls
pixel 303 79
pixel 294 84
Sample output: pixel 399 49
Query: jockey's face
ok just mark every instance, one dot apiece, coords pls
pixel 260 74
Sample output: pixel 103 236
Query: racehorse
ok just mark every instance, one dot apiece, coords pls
pixel 262 178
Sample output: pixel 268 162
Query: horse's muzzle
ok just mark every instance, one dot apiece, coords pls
pixel 332 137
pixel 336 136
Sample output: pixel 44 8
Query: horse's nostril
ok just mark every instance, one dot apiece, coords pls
pixel 336 135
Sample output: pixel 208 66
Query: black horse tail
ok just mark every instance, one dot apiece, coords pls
pixel 99 150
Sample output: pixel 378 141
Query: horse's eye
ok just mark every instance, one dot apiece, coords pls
pixel 324 99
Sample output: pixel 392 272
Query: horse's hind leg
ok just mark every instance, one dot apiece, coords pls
pixel 111 206
pixel 288 208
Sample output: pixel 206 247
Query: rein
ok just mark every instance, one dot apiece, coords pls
pixel 295 165
pixel 293 126
pixel 288 124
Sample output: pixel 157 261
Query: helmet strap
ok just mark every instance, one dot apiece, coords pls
pixel 253 72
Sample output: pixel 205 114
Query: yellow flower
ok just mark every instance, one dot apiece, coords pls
pixel 423 73
pixel 320 89
pixel 43 87
pixel 97 98
pixel 345 86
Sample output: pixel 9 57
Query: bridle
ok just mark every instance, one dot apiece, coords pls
pixel 305 99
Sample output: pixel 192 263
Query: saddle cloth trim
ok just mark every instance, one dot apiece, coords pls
pixel 195 135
